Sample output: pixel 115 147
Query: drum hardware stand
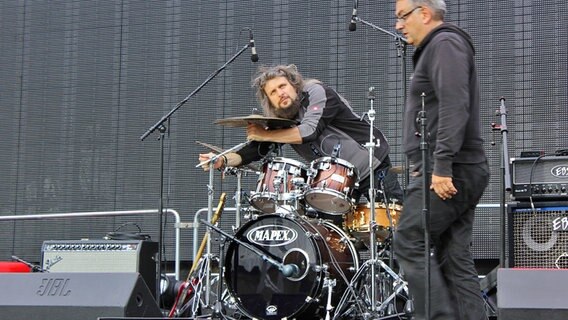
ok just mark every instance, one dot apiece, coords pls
pixel 424 147
pixel 238 194
pixel 210 191
pixel 218 308
pixel 329 284
pixel 372 223
pixel 399 285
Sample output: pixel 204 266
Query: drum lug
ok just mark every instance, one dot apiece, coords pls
pixel 321 268
pixel 350 173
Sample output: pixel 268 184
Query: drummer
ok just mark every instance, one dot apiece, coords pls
pixel 327 127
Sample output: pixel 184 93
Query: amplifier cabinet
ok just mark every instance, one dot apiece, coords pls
pixel 102 256
pixel 538 238
pixel 544 178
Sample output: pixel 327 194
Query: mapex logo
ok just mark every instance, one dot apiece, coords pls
pixel 560 171
pixel 272 235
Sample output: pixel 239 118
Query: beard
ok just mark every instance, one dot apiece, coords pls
pixel 288 113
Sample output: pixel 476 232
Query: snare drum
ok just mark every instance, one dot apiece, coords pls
pixel 330 185
pixel 357 222
pixel 281 180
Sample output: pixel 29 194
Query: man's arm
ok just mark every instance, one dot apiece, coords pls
pixel 258 133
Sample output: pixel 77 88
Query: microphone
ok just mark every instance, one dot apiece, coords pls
pixel 289 270
pixel 31 265
pixel 254 56
pixel 353 23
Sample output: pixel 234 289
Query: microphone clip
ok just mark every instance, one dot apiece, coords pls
pixel 336 150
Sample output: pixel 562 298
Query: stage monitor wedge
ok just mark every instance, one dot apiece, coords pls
pixel 531 294
pixel 74 296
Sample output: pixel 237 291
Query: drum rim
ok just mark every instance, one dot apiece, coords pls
pixel 297 163
pixel 330 192
pixel 343 162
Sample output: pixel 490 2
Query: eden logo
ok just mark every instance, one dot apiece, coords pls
pixel 272 235
pixel 560 171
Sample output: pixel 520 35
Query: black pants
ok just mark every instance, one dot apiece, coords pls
pixel 454 286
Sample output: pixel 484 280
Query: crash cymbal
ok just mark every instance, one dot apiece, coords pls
pixel 268 122
pixel 219 150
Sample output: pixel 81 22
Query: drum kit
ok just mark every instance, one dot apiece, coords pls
pixel 303 250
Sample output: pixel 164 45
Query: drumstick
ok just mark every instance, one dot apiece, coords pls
pixel 219 150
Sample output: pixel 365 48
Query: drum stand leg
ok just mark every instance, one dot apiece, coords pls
pixel 329 283
pixel 363 290
pixel 218 312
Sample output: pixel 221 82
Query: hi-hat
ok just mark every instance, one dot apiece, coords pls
pixel 267 122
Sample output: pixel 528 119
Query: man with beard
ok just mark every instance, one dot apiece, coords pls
pixel 325 120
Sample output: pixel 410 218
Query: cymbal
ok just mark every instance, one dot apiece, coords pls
pixel 268 122
pixel 396 169
pixel 219 150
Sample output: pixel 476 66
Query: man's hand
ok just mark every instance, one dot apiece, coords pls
pixel 206 156
pixel 256 132
pixel 443 186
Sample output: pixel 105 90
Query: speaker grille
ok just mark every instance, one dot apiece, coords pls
pixel 534 241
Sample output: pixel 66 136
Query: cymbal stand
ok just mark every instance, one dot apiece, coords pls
pixel 210 190
pixel 372 223
pixel 238 198
pixel 218 309
pixel 360 294
pixel 238 194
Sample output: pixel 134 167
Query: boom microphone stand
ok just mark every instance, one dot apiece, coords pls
pixel 424 147
pixel 162 129
pixel 401 44
pixel 506 175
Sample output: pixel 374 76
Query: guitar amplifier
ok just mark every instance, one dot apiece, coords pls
pixel 102 256
pixel 538 237
pixel 542 178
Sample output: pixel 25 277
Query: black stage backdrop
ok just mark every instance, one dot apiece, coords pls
pixel 81 81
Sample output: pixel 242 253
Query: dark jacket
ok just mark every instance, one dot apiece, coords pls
pixel 326 120
pixel 444 70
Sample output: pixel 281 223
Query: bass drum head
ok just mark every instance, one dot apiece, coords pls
pixel 262 291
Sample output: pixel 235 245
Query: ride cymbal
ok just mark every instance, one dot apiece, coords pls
pixel 268 122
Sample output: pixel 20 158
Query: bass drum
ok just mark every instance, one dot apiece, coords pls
pixel 262 291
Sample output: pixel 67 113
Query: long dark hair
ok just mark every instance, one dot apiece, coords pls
pixel 266 73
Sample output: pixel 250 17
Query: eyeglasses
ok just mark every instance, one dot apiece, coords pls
pixel 404 17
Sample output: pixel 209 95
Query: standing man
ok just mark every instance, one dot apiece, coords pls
pixel 445 72
pixel 325 120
